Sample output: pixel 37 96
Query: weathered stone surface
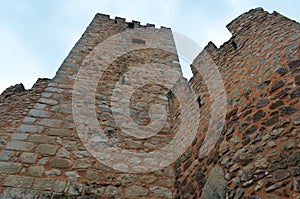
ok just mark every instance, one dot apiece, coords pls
pixel 18 193
pixel 262 43
pixel 262 103
pixel 258 115
pixel 18 181
pixel 10 167
pixel 25 128
pixel 136 191
pixel 59 132
pixel 49 122
pixel 287 110
pixel 147 179
pixel 294 64
pixel 277 85
pixel 295 171
pixel 296 184
pixel 295 93
pixel 5 155
pixel 261 163
pixel 39 113
pixel 215 185
pixel 41 139
pixel 75 188
pixel 20 146
pixel 46 149
pixel 44 184
pixel 72 175
pixel 282 71
pixel 82 164
pixel 281 175
pixel 276 104
pixel 47 101
pixel 273 187
pixel 53 172
pixel 111 190
pixel 160 192
pixel 94 189
pixel 63 153
pixel 60 163
pixel 127 178
pixel 59 186
pixel 239 193
pixel 36 171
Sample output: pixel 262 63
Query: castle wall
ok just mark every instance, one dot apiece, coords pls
pixel 46 158
pixel 51 144
pixel 258 150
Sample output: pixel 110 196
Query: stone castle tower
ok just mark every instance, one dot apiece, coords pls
pixel 45 154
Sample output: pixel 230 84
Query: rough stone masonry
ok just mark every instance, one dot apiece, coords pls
pixel 257 155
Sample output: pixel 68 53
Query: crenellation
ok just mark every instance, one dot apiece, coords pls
pixel 120 20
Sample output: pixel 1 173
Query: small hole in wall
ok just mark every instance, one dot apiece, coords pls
pixel 116 21
pixel 130 25
pixel 123 80
pixel 199 102
pixel 138 41
pixel 234 44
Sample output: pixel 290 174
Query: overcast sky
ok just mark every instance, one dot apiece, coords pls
pixel 36 35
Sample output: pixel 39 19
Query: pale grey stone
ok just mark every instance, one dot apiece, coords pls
pixel 36 171
pixel 39 113
pixel 19 136
pixel 47 101
pixel 72 175
pixel 18 181
pixel 28 157
pixel 53 172
pixel 10 167
pixel 6 155
pixel 160 192
pixel 46 149
pixel 60 163
pixel 215 184
pixel 18 193
pixel 60 186
pixel 75 188
pixel 54 90
pixel 63 153
pixel 44 184
pixel 49 122
pixel 127 178
pixel 111 190
pixel 41 139
pixel 82 164
pixel 40 106
pixel 43 161
pixel 25 128
pixel 136 191
pixel 28 120
pixel 19 146
pixel 59 132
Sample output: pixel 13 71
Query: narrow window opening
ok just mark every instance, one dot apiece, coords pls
pixel 199 102
pixel 234 44
pixel 123 80
pixel 138 41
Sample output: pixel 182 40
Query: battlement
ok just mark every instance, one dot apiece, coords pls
pixel 122 21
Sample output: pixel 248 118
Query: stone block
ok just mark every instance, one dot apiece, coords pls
pixel 18 181
pixel 10 167
pixel 20 146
